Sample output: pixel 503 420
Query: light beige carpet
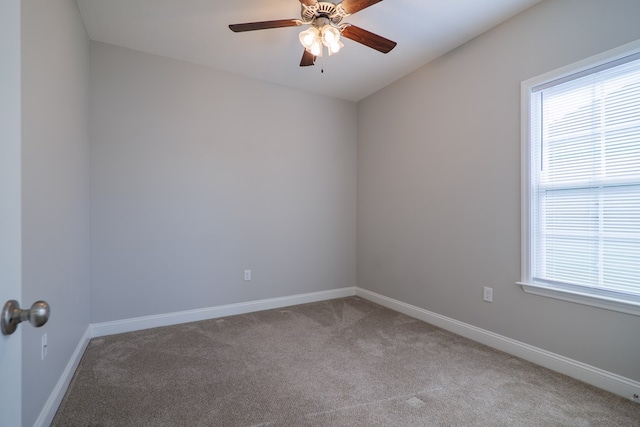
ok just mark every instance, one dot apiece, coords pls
pixel 344 362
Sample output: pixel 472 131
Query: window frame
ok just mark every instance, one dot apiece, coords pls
pixel 575 294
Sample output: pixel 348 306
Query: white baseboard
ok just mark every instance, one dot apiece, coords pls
pixel 589 374
pixel 55 398
pixel 128 325
pixel 597 377
pixel 154 321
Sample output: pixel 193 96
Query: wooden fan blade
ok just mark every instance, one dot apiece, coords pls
pixel 353 6
pixel 308 2
pixel 367 38
pixel 264 25
pixel 308 59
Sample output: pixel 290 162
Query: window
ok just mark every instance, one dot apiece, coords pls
pixel 581 182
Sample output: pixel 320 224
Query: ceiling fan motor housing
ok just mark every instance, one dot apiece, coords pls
pixel 326 10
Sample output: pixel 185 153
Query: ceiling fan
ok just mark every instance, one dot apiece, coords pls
pixel 325 28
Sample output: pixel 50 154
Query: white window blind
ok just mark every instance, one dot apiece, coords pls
pixel 584 195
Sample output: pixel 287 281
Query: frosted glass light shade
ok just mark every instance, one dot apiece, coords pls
pixel 308 37
pixel 330 35
pixel 316 48
pixel 335 47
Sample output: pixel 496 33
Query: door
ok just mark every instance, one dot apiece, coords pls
pixel 10 210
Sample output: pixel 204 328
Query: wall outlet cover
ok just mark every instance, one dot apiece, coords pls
pixel 44 346
pixel 488 294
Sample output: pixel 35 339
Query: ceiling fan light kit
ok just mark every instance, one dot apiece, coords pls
pixel 325 28
pixel 319 34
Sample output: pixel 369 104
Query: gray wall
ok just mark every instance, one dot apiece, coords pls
pixel 10 209
pixel 439 183
pixel 197 174
pixel 55 67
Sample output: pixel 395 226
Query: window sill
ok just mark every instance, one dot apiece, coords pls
pixel 584 298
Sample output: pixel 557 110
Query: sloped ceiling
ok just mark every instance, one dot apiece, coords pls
pixel 197 31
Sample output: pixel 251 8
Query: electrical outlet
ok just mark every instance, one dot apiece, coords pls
pixel 247 275
pixel 44 346
pixel 488 294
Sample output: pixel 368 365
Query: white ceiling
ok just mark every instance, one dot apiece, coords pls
pixel 197 31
